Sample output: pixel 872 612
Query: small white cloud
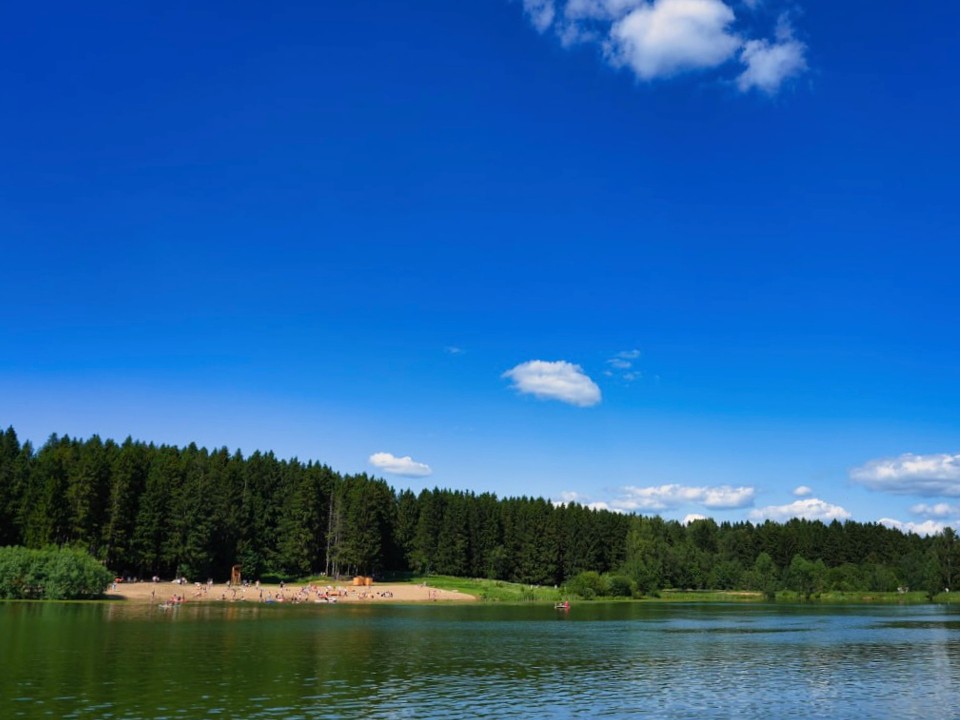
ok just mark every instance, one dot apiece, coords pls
pixel 623 362
pixel 724 496
pixel 569 496
pixel 663 497
pixel 692 517
pixel 453 350
pixel 802 491
pixel 940 510
pixel 935 475
pixel 558 380
pixel 670 36
pixel 406 465
pixel 769 64
pixel 600 505
pixel 808 509
pixel 540 12
pixel 928 527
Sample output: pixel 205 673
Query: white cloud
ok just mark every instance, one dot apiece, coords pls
pixel 623 360
pixel 661 38
pixel 935 475
pixel 940 510
pixel 769 64
pixel 453 350
pixel 399 465
pixel 600 505
pixel 808 509
pixel 662 497
pixel 724 496
pixel 540 12
pixel 692 517
pixel 558 380
pixel 653 499
pixel 569 496
pixel 802 491
pixel 928 527
pixel 670 36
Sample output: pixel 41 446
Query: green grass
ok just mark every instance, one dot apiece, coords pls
pixel 493 590
pixel 500 591
pixel 825 598
pixel 859 597
pixel 706 596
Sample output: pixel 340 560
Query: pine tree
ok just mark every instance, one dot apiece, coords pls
pixel 12 487
pixel 128 478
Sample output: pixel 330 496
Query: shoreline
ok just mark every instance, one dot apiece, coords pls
pixel 292 593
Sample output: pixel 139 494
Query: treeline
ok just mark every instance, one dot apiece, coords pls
pixel 804 556
pixel 147 510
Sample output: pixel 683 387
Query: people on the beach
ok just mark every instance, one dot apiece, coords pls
pixel 310 592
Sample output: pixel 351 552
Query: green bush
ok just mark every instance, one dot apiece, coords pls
pixel 619 586
pixel 587 585
pixel 50 574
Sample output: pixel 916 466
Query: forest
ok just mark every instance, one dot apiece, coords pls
pixel 144 509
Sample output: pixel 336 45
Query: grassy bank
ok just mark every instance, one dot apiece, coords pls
pixel 785 596
pixel 870 598
pixel 493 590
pixel 506 592
pixel 500 591
pixel 706 596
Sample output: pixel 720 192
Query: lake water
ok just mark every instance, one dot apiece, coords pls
pixel 110 660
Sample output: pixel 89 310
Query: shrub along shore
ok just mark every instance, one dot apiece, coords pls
pixel 50 574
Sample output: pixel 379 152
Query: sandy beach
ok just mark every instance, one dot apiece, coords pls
pixel 164 591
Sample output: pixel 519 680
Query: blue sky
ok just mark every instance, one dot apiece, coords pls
pixel 684 256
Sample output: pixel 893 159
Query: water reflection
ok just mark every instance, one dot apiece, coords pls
pixel 618 661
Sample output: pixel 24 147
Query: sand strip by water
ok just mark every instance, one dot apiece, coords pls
pixel 165 591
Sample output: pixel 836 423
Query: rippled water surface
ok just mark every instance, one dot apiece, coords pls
pixel 609 661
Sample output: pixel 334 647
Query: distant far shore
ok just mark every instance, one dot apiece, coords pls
pixel 317 592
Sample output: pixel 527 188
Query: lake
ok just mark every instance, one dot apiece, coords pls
pixel 115 660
